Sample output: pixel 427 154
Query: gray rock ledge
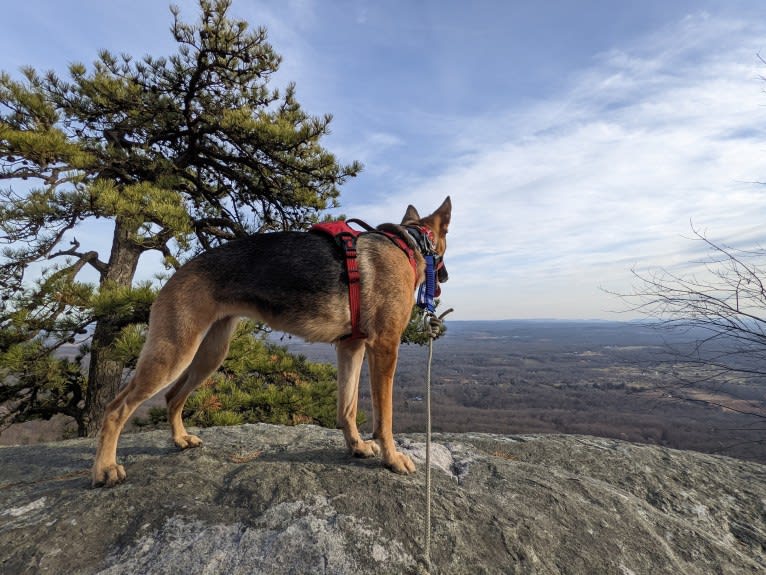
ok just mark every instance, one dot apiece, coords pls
pixel 288 500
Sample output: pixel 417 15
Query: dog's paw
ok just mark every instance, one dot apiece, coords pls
pixel 108 476
pixel 187 441
pixel 366 449
pixel 400 463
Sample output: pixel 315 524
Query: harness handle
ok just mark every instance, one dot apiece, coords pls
pixel 361 224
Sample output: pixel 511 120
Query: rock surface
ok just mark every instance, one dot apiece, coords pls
pixel 279 500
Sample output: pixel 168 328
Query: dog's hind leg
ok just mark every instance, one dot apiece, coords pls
pixel 382 359
pixel 166 354
pixel 350 358
pixel 211 353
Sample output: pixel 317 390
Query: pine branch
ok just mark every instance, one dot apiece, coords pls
pixel 90 258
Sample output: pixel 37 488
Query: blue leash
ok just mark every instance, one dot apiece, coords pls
pixel 427 290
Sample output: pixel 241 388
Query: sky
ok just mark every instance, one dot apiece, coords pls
pixel 577 139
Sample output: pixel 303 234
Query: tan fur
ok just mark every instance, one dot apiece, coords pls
pixel 189 334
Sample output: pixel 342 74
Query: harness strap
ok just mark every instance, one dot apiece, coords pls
pixel 348 243
pixel 408 251
pixel 397 240
pixel 346 238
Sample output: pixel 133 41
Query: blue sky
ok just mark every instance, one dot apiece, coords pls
pixel 577 139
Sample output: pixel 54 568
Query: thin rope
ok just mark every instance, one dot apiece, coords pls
pixel 428 455
pixel 433 326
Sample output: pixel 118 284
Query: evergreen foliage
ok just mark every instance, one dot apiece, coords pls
pixel 178 154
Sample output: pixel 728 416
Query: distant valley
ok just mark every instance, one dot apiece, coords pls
pixel 608 379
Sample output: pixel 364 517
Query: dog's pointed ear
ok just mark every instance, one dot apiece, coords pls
pixel 445 210
pixel 411 215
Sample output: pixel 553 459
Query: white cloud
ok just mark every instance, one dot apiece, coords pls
pixel 609 172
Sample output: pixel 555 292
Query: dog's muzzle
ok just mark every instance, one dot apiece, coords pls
pixel 441 271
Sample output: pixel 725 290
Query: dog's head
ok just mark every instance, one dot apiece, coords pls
pixel 438 223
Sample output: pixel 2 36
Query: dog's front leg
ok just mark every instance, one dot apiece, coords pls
pixel 350 357
pixel 382 359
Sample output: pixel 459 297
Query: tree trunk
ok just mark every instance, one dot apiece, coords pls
pixel 105 373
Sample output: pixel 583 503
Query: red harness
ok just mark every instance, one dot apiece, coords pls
pixel 346 236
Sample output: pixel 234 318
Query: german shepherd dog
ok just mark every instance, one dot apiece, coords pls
pixel 296 283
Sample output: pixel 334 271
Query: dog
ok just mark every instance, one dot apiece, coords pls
pixel 296 282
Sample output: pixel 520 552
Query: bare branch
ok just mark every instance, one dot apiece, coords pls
pixel 720 307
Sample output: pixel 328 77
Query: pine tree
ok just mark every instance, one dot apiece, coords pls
pixel 179 153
